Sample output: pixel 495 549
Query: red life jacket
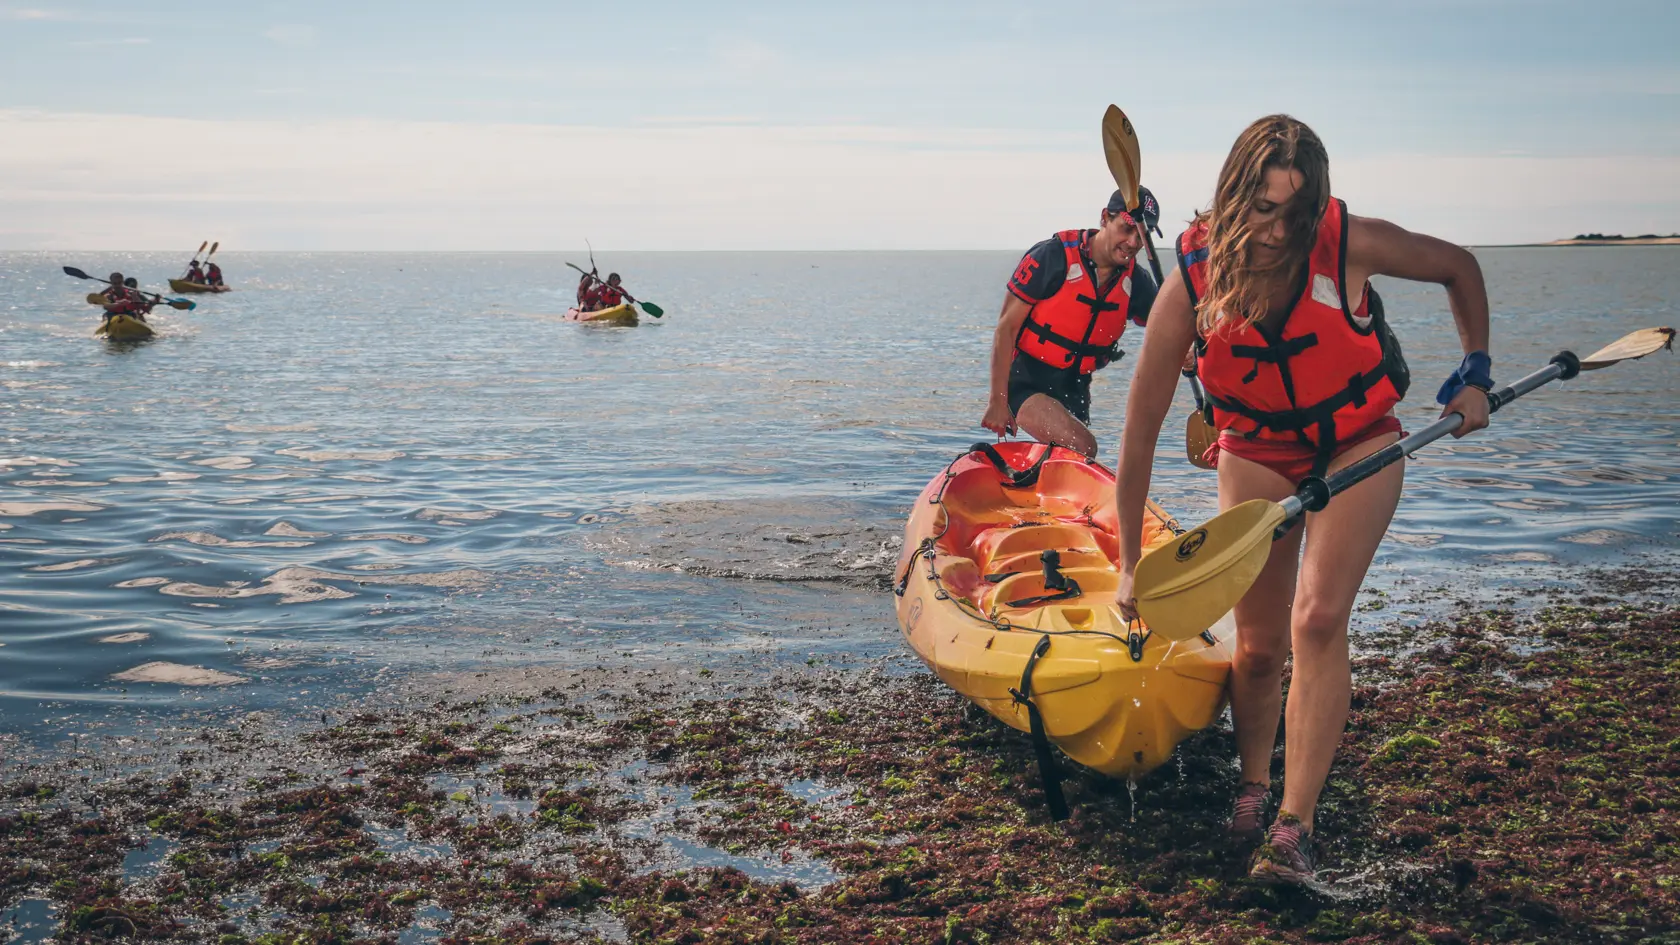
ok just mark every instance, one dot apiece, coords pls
pixel 128 302
pixel 1080 325
pixel 1328 369
pixel 213 275
pixel 608 296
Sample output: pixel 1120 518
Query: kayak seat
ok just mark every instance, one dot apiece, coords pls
pixel 1030 561
pixel 998 544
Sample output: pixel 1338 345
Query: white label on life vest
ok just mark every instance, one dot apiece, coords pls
pixel 1075 273
pixel 1324 291
pixel 1126 285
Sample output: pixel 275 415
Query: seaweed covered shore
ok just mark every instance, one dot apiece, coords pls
pixel 1514 781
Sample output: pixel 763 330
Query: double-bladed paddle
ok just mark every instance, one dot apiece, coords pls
pixel 194 258
pixel 650 308
pixel 1125 162
pixel 184 305
pixel 1183 587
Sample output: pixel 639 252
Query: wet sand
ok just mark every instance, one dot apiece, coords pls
pixel 1515 779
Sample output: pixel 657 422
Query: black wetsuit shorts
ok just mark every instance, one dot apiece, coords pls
pixel 1028 376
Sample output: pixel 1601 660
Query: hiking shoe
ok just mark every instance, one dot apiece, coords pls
pixel 1287 858
pixel 1248 813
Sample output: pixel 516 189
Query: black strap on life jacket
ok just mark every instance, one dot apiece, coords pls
pixel 1104 354
pixel 1047 771
pixel 1278 353
pixel 1066 588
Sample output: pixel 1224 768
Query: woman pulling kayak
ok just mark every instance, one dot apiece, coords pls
pixel 1062 318
pixel 1273 290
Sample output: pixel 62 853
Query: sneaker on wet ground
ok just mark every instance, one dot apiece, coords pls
pixel 1288 857
pixel 1248 813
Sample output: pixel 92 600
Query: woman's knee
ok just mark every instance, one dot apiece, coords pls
pixel 1259 658
pixel 1319 626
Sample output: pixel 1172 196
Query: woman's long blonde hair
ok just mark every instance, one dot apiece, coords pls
pixel 1236 287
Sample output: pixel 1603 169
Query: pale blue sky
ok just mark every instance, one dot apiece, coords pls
pixel 966 124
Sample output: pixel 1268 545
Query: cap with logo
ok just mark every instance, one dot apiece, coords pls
pixel 1148 208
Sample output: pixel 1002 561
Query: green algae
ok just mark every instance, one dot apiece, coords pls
pixel 1482 795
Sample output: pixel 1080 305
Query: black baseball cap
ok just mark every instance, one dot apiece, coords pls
pixel 1148 208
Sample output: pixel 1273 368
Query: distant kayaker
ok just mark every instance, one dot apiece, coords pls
pixel 606 294
pixel 212 274
pixel 1062 318
pixel 584 285
pixel 195 273
pixel 1272 289
pixel 123 300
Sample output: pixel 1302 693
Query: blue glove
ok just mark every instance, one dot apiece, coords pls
pixel 1476 371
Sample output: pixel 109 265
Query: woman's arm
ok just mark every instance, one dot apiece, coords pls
pixel 999 418
pixel 1170 334
pixel 1378 247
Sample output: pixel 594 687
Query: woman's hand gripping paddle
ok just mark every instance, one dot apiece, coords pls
pixel 1183 587
pixel 648 307
pixel 182 304
pixel 1125 162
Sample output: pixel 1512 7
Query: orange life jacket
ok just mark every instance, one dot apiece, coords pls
pixel 1328 369
pixel 1080 325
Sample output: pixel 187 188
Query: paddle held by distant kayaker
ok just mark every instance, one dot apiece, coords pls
pixel 1273 291
pixel 1066 307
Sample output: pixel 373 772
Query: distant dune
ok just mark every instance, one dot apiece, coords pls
pixel 1617 239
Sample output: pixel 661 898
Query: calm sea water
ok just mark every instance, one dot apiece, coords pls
pixel 359 470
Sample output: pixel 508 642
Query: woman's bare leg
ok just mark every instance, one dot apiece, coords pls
pixel 1262 623
pixel 1340 543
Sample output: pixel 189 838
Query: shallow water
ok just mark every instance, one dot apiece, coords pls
pixel 362 467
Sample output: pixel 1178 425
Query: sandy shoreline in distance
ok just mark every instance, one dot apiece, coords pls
pixel 1654 241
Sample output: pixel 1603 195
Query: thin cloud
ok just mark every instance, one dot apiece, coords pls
pixel 15 13
pixel 405 185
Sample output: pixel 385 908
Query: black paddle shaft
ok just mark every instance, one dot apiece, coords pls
pixel 1314 492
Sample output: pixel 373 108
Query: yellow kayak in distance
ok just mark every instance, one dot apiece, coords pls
pixel 623 314
pixel 182 285
pixel 1007 585
pixel 123 328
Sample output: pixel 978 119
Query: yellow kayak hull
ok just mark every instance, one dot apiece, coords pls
pixel 1113 698
pixel 182 285
pixel 617 315
pixel 123 328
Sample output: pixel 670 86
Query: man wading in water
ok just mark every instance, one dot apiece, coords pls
pixel 1067 306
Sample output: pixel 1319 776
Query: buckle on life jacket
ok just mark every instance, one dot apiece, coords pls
pixel 1277 353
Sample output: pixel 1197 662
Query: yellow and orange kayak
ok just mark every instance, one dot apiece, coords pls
pixel 123 328
pixel 1010 552
pixel 182 285
pixel 624 314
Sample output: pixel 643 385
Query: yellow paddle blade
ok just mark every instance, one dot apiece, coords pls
pixel 1198 436
pixel 1184 586
pixel 1120 147
pixel 1636 345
